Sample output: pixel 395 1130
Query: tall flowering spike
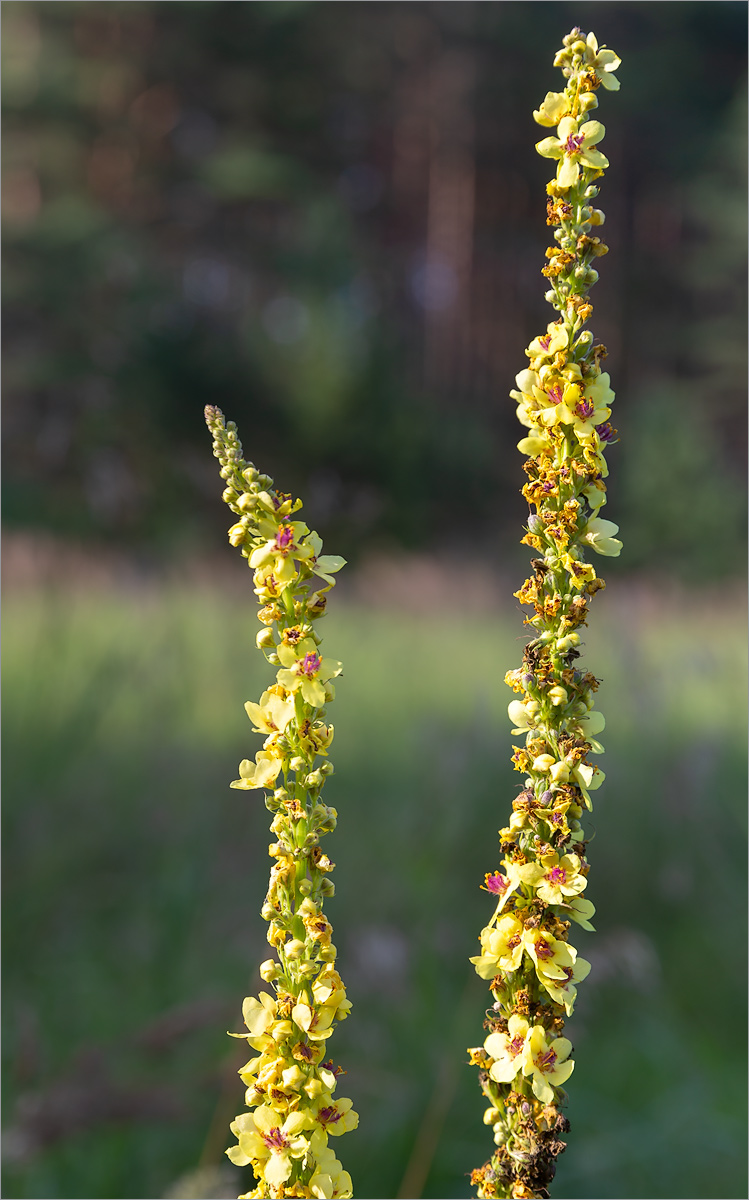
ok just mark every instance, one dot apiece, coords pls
pixel 564 400
pixel 290 1079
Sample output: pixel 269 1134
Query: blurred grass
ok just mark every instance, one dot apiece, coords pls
pixel 133 880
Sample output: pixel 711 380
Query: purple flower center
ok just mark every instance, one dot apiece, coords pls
pixel 310 665
pixel 328 1116
pixel 544 341
pixel 584 409
pixel 496 883
pixel 605 432
pixel 546 1061
pixel 574 143
pixel 284 537
pixel 516 1045
pixel 275 1139
pixel 555 395
pixel 557 875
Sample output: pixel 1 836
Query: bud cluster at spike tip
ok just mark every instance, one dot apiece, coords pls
pixel 564 401
pixel 290 1079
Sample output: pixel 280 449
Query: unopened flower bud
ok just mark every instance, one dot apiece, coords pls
pixel 269 970
pixel 264 638
pixel 535 524
pixel 294 948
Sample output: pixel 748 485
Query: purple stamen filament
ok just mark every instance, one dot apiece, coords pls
pixel 275 1139
pixel 284 537
pixel 496 883
pixel 555 395
pixel 574 143
pixel 309 665
pixel 328 1116
pixel 546 1061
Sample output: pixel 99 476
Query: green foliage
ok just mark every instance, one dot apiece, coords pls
pixel 129 864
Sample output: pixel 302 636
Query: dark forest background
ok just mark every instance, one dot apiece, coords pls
pixel 329 220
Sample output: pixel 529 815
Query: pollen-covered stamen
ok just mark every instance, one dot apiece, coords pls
pixel 545 1062
pixel 516 1045
pixel 605 432
pixel 557 875
pixel 309 665
pixel 555 395
pixel 584 409
pixel 544 341
pixel 328 1066
pixel 275 1139
pixel 574 143
pixel 543 949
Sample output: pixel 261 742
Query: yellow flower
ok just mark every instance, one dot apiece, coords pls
pixel 553 107
pixel 507 1049
pixel 336 1116
pixel 555 339
pixel 564 990
pixel 522 713
pixel 329 1181
pixel 598 534
pixel 259 773
pixel 575 146
pixel 268 1144
pixel 547 1063
pixel 502 948
pixel 271 715
pixel 549 955
pixel 316 1023
pixel 579 909
pixel 555 878
pixel 603 62
pixel 304 670
pixel 503 885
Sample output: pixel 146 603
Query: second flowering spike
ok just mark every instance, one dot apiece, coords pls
pixel 564 401
pixel 290 1079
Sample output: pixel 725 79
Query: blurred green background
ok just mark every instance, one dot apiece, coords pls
pixel 329 219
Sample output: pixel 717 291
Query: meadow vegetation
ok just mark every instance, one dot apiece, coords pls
pixel 133 876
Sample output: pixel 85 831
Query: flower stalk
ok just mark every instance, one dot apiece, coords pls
pixel 290 1081
pixel 564 401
